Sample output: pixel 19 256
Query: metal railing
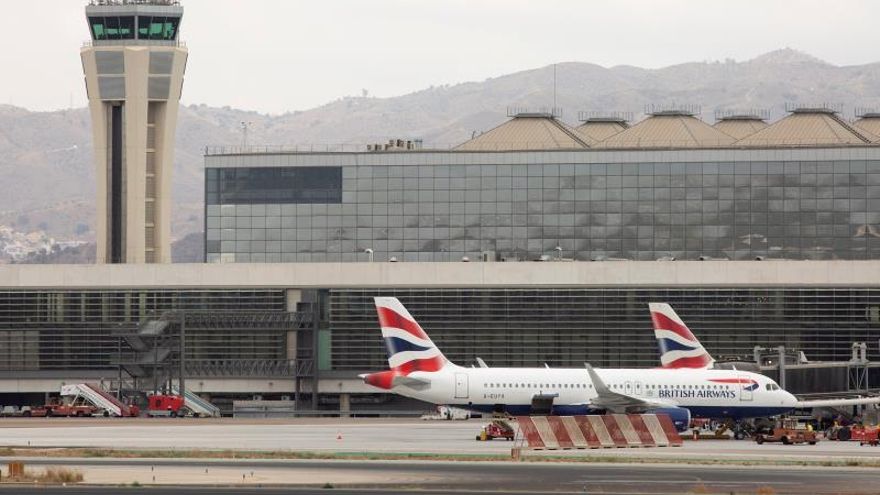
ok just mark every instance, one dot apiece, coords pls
pixel 629 145
pixel 112 3
pixel 315 148
pixel 265 368
pixel 134 42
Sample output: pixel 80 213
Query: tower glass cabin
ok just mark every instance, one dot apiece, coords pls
pixel 134 67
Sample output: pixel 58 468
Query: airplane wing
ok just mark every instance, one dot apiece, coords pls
pixel 482 363
pixel 805 404
pixel 617 402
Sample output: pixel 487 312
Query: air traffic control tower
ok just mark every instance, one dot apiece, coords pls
pixel 134 66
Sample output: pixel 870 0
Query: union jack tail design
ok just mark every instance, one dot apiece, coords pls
pixel 678 346
pixel 409 347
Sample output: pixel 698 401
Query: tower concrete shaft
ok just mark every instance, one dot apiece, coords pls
pixel 134 67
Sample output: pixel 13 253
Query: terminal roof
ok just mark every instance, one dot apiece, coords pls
pixel 809 127
pixel 869 123
pixel 600 129
pixel 527 132
pixel 673 129
pixel 740 126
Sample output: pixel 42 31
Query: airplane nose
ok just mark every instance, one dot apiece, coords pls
pixel 790 400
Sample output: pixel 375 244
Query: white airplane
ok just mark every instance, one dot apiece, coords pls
pixel 680 349
pixel 419 370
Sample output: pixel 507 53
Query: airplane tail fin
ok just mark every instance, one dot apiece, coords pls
pixel 409 347
pixel 679 348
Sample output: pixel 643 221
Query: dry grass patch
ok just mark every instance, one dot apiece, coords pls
pixel 50 476
pixel 404 456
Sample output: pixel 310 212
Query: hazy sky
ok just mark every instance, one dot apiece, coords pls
pixel 281 55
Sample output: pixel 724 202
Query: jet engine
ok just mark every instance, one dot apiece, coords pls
pixel 680 416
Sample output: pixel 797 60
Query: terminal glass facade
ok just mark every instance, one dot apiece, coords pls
pixel 65 331
pixel 521 206
pixel 75 329
pixel 606 327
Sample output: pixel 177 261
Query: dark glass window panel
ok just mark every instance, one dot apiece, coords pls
pixel 277 185
pixel 99 28
pixel 112 28
pixel 158 28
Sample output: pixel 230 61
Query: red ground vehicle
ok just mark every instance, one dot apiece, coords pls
pixel 62 411
pixel 789 432
pixel 37 412
pixel 166 405
pixel 865 435
pixel 496 429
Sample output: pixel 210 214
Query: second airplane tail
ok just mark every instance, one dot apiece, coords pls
pixel 679 348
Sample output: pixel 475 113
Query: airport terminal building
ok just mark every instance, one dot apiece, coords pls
pixel 644 205
pixel 532 243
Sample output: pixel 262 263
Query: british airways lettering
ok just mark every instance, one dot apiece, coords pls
pixel 696 394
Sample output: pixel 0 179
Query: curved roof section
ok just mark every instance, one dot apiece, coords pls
pixel 869 123
pixel 669 130
pixel 527 132
pixel 595 130
pixel 808 127
pixel 740 127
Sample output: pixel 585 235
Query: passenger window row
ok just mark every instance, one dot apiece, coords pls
pixel 536 385
pixel 613 386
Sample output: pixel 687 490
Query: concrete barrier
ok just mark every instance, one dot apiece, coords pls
pixel 593 432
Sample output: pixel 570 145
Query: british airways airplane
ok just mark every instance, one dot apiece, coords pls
pixel 680 349
pixel 419 370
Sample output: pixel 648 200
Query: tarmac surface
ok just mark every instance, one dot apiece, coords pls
pixel 624 474
pixel 362 435
pixel 466 477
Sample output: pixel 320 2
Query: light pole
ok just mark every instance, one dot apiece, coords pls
pixel 369 252
pixel 244 133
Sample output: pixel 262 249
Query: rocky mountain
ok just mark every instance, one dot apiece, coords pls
pixel 45 157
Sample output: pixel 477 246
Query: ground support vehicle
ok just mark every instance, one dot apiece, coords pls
pixel 865 435
pixel 788 432
pixel 36 412
pixel 496 429
pixel 841 433
pixel 64 410
pixel 93 394
pixel 166 405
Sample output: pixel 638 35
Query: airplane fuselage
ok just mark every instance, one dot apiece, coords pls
pixel 704 392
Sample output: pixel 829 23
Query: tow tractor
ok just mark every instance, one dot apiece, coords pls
pixel 788 432
pixel 496 429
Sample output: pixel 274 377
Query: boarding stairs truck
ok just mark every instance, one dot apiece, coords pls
pixel 197 405
pixel 106 403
